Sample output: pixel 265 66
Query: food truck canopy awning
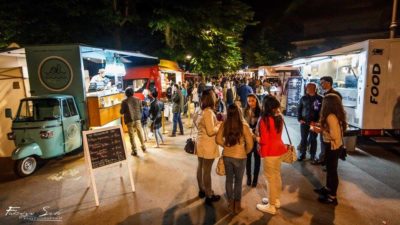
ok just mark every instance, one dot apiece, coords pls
pixel 169 65
pixel 99 55
pixel 129 59
pixel 141 72
pixel 348 49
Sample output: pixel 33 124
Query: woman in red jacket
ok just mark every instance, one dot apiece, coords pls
pixel 271 149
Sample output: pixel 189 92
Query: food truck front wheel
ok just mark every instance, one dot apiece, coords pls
pixel 26 166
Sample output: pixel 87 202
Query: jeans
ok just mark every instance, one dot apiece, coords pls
pixel 158 135
pixel 332 160
pixel 272 171
pixel 234 169
pixel 307 137
pixel 257 162
pixel 204 175
pixel 177 119
pixel 133 128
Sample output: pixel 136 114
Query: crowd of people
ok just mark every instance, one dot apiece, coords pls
pixel 244 118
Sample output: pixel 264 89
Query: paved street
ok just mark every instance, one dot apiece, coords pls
pixel 166 191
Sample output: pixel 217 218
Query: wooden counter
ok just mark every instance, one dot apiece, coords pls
pixel 104 109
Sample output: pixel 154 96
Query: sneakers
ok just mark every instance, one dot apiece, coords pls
pixel 172 135
pixel 212 198
pixel 134 153
pixel 277 202
pixel 143 148
pixel 267 208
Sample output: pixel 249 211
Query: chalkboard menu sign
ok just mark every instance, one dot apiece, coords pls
pixel 105 147
pixel 294 93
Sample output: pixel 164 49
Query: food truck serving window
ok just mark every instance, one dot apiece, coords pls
pixel 345 71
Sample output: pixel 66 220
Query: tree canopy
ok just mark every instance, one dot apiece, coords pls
pixel 211 31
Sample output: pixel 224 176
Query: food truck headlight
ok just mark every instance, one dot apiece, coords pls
pixel 45 134
pixel 11 136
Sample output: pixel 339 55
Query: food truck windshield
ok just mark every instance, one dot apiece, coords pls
pixel 38 110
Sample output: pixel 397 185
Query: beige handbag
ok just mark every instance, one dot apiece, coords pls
pixel 290 156
pixel 220 167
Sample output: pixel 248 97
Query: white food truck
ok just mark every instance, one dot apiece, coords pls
pixel 367 74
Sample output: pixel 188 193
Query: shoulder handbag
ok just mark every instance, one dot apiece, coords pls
pixel 290 156
pixel 190 146
pixel 220 169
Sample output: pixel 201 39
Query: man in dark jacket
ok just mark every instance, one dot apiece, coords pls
pixel 131 108
pixel 327 86
pixel 243 91
pixel 177 109
pixel 308 112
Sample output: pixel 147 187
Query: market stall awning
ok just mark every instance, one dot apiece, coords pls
pixel 169 65
pixel 141 72
pixel 129 59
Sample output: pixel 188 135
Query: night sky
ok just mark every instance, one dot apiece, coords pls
pixel 301 12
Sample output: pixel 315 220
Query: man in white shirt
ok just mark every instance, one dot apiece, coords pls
pixel 101 77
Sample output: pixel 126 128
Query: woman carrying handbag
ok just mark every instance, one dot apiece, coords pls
pixel 271 149
pixel 206 147
pixel 236 138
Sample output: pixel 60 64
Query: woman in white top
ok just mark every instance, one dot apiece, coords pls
pixel 195 96
pixel 332 125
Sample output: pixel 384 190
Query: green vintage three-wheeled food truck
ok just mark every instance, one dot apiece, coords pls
pixel 49 123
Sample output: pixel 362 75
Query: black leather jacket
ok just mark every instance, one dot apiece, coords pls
pixel 309 108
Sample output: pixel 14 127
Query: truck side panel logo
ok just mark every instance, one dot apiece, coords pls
pixel 376 72
pixel 55 73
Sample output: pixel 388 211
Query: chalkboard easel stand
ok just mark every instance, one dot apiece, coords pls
pixel 118 133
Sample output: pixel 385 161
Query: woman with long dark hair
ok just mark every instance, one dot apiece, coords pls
pixel 332 125
pixel 236 138
pixel 252 113
pixel 271 149
pixel 207 149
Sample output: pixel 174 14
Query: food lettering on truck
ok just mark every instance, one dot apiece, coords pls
pixel 376 71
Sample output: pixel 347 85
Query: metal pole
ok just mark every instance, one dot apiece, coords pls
pixel 393 25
